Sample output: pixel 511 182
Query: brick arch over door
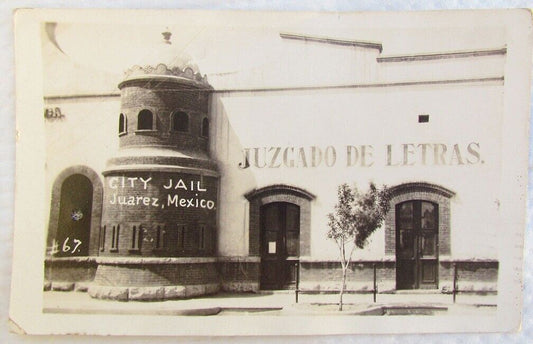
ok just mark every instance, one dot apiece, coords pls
pixel 424 192
pixel 96 208
pixel 279 193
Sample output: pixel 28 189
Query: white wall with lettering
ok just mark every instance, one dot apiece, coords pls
pixel 458 149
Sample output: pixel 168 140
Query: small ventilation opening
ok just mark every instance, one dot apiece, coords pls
pixel 423 118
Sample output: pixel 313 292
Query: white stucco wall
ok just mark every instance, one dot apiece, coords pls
pixel 86 135
pixel 459 114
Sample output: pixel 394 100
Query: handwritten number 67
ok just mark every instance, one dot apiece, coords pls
pixel 67 248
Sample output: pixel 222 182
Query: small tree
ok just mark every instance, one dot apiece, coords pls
pixel 357 215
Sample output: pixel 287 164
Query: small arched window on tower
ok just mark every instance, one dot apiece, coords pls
pixel 122 129
pixel 145 120
pixel 205 127
pixel 180 121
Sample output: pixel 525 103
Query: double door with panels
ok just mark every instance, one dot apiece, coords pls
pixel 280 244
pixel 417 245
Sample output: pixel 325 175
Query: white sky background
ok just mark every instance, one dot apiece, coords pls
pixel 98 53
pixel 7 158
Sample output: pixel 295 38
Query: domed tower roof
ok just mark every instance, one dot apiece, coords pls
pixel 164 114
pixel 165 62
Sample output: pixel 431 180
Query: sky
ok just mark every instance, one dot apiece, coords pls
pixel 223 43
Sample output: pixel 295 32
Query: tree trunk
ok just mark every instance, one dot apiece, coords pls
pixel 342 286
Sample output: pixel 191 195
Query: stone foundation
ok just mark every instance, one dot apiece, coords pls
pixel 151 293
pixel 133 271
pixel 71 269
pixel 143 279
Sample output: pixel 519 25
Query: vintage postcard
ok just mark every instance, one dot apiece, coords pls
pixel 211 172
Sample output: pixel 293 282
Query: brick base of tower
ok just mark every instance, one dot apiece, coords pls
pixel 147 279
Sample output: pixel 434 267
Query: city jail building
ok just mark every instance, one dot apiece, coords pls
pixel 177 184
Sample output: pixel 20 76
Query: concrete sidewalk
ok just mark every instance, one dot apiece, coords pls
pixel 275 303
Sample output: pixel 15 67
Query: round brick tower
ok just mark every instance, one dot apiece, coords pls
pixel 158 231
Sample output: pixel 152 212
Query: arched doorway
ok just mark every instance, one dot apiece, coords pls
pixel 417 224
pixel 74 222
pixel 280 244
pixel 417 233
pixel 75 213
pixel 279 232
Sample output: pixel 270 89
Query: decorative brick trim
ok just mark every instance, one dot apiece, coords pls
pixel 96 211
pixel 280 193
pixel 420 187
pixel 280 188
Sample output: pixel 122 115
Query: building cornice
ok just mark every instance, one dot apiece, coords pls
pixel 442 55
pixel 56 97
pixel 489 79
pixel 327 40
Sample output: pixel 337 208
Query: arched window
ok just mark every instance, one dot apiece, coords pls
pixel 145 120
pixel 180 122
pixel 122 124
pixel 205 127
pixel 417 232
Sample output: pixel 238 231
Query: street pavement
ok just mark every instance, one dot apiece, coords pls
pixel 277 303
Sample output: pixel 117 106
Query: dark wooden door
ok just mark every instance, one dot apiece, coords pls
pixel 280 244
pixel 417 245
pixel 74 226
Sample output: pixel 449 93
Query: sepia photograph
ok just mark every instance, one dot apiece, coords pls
pixel 296 168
